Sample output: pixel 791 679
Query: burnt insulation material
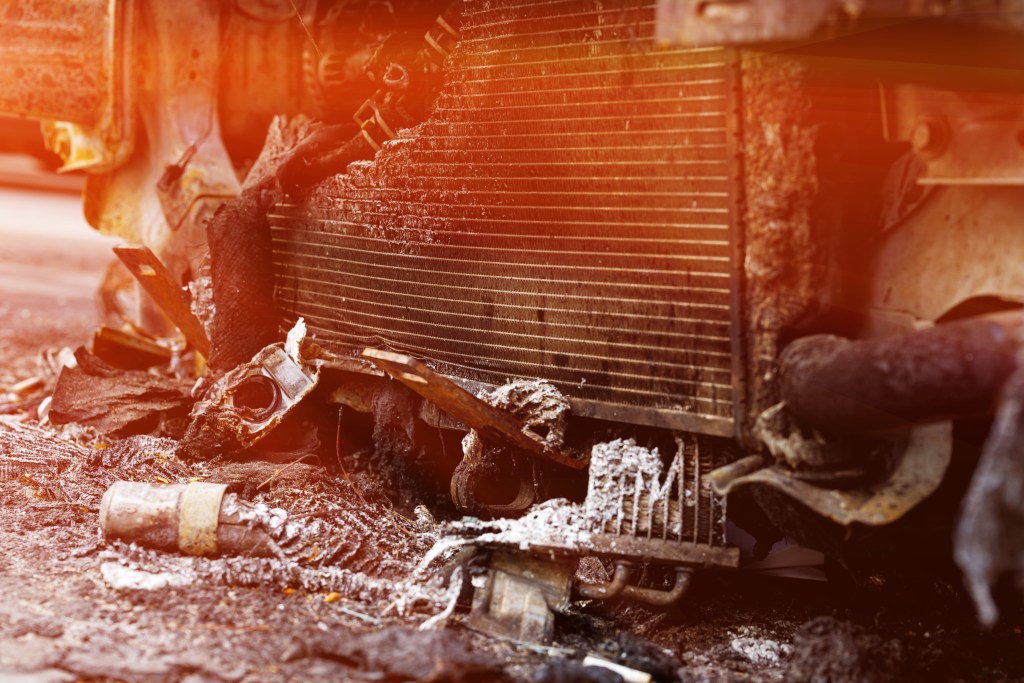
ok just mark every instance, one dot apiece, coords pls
pixel 239 238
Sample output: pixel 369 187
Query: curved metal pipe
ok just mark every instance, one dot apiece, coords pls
pixel 661 598
pixel 608 590
pixel 956 369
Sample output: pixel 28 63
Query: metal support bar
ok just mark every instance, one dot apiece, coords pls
pixel 660 598
pixel 464 406
pixel 158 282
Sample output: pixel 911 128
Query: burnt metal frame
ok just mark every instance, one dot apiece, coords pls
pixel 737 277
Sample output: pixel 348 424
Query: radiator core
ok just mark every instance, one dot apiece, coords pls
pixel 566 213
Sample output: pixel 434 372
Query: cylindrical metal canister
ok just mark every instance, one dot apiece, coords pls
pixel 187 518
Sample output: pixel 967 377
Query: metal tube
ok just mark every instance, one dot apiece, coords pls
pixel 840 385
pixel 660 598
pixel 187 518
pixel 608 590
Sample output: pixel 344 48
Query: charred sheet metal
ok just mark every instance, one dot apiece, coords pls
pixel 160 284
pixel 921 462
pixel 566 214
pixel 461 404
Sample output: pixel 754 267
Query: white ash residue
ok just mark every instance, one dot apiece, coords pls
pixel 540 406
pixel 294 340
pixel 629 491
pixel 130 567
pixel 330 538
pixel 200 290
pixel 553 522
pixel 123 577
pixel 760 651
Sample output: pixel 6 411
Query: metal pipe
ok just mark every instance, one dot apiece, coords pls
pixel 188 518
pixel 841 385
pixel 660 598
pixel 608 590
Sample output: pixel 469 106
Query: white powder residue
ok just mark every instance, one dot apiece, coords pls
pixel 629 491
pixel 540 406
pixel 554 522
pixel 760 651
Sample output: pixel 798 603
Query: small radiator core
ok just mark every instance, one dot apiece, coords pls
pixel 566 213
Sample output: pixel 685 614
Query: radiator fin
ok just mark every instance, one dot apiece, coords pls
pixel 566 213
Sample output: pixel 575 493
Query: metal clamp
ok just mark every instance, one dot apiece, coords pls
pixel 369 115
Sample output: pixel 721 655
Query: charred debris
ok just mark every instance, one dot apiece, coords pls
pixel 271 436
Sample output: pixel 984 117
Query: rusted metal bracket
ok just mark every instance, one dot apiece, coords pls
pixel 462 405
pixel 158 282
pixel 520 597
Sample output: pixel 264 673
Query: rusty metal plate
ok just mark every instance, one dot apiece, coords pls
pixel 567 214
pixel 69 61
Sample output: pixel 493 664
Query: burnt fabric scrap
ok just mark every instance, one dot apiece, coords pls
pixel 119 402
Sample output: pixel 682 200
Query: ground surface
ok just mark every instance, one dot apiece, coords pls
pixel 60 619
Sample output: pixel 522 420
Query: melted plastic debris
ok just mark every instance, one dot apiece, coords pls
pixel 219 425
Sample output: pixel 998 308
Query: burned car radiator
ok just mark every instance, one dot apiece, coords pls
pixel 566 213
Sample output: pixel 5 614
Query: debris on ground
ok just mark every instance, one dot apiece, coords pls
pixel 402 654
pixel 827 649
pixel 244 405
pixel 119 402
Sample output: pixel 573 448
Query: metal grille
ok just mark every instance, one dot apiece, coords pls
pixel 566 214
pixel 677 504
